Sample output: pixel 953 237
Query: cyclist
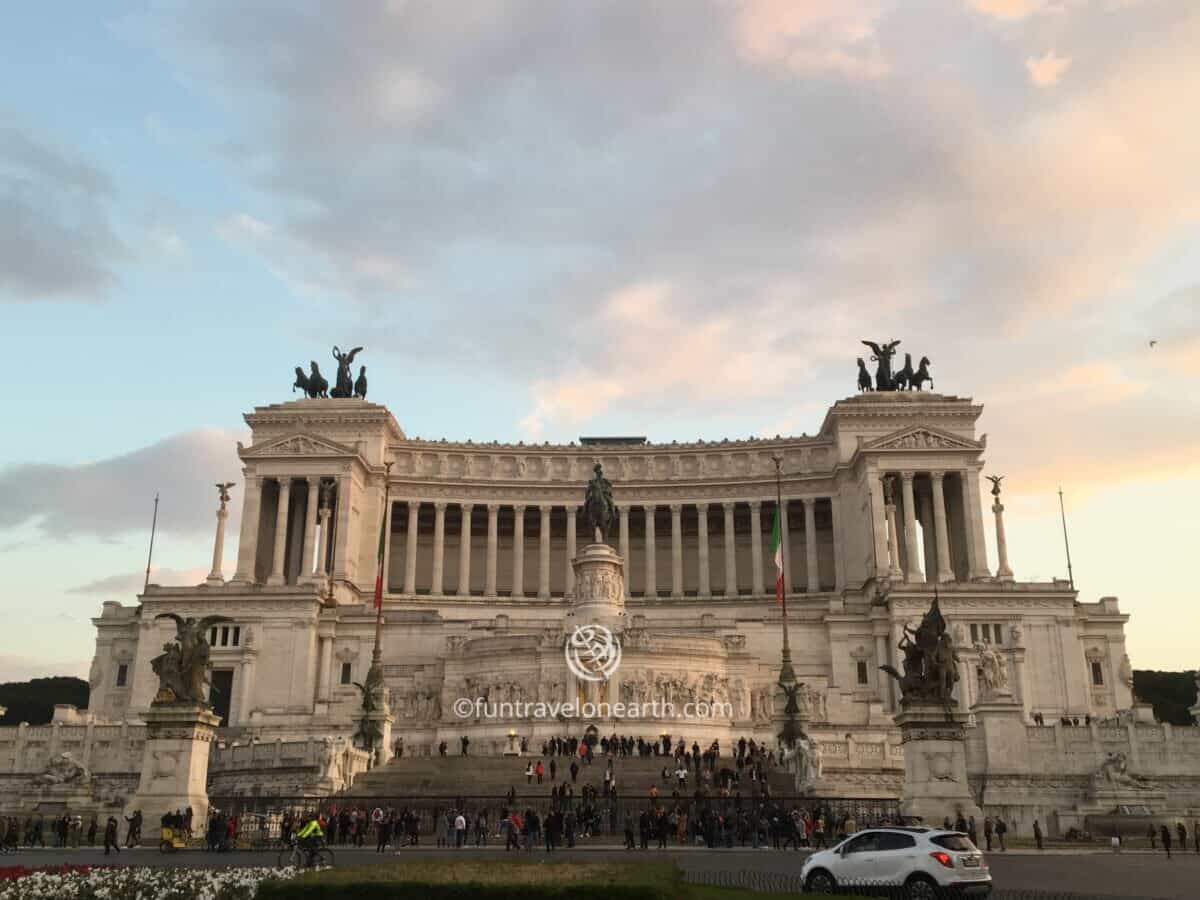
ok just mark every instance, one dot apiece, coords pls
pixel 309 837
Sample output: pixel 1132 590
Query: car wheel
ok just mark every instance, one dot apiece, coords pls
pixel 921 887
pixel 820 882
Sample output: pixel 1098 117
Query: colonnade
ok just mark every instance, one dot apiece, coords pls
pixel 305 515
pixel 690 560
pixel 949 546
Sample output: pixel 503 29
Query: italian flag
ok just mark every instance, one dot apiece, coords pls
pixel 777 552
pixel 379 563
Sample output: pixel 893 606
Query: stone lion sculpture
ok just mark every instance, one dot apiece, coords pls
pixel 63 769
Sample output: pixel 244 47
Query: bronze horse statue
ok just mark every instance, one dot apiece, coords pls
pixel 902 378
pixel 598 507
pixel 864 377
pixel 921 375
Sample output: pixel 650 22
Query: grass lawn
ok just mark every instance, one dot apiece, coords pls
pixel 489 879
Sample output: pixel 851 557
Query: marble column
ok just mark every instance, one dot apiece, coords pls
pixel 572 518
pixel 248 541
pixel 911 549
pixel 623 542
pixel 676 550
pixel 839 562
pixel 731 582
pixel 810 545
pixel 544 553
pixel 893 569
pixel 1003 572
pixel 464 552
pixel 281 523
pixel 324 667
pixel 310 526
pixel 702 539
pixel 410 548
pixel 881 657
pixel 651 569
pixel 493 541
pixel 973 513
pixel 756 548
pixel 215 577
pixel 945 572
pixel 880 488
pixel 439 547
pixel 324 514
pixel 518 554
pixel 341 536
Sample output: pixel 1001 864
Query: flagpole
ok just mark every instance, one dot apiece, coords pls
pixel 787 674
pixel 377 654
pixel 150 555
pixel 1066 543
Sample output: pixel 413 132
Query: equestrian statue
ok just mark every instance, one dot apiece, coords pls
pixel 598 507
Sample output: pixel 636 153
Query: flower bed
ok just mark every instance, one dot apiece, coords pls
pixel 132 883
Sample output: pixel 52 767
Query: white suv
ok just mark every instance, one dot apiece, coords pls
pixel 928 862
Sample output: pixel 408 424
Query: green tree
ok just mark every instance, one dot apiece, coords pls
pixel 1171 693
pixel 33 701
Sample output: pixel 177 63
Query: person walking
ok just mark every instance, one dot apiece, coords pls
pixel 629 844
pixel 1165 834
pixel 110 836
pixel 383 834
pixel 1001 831
pixel 1153 835
pixel 1182 832
pixel 1196 835
pixel 1037 834
pixel 987 832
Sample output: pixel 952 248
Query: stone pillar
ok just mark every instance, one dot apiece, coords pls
pixel 246 688
pixel 702 539
pixel 839 562
pixel 731 583
pixel 215 577
pixel 410 548
pixel 493 541
pixel 281 523
pixel 651 562
pixel 544 553
pixel 810 545
pixel 882 526
pixel 248 540
pixel 323 541
pixel 325 667
pixel 881 678
pixel 935 763
pixel 1003 572
pixel 893 537
pixel 945 572
pixel 910 529
pixel 756 548
pixel 464 552
pixel 341 560
pixel 310 526
pixel 973 514
pixel 572 518
pixel 439 547
pixel 676 550
pixel 518 555
pixel 622 540
pixel 174 767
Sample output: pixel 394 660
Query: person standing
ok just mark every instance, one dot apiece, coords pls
pixel 1181 830
pixel 1196 835
pixel 1153 835
pixel 110 836
pixel 383 833
pixel 1037 834
pixel 987 832
pixel 1165 834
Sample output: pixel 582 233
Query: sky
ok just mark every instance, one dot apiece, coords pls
pixel 543 220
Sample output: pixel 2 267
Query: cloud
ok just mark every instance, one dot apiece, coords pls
pixel 1009 10
pixel 112 497
pixel 813 38
pixel 23 668
pixel 1046 70
pixel 57 240
pixel 127 583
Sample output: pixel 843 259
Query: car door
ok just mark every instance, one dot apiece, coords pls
pixel 858 860
pixel 894 857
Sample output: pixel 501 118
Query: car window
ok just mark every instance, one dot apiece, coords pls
pixel 894 840
pixel 864 843
pixel 953 842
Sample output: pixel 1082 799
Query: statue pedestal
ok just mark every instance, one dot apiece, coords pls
pixel 383 721
pixel 174 773
pixel 599 595
pixel 514 746
pixel 1144 713
pixel 935 763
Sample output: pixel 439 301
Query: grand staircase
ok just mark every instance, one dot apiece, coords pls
pixel 481 776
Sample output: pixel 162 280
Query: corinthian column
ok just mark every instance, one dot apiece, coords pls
pixel 893 537
pixel 623 542
pixel 310 527
pixel 544 553
pixel 493 541
pixel 323 513
pixel 676 550
pixel 1003 572
pixel 281 523
pixel 410 548
pixel 518 556
pixel 756 560
pixel 439 546
pixel 651 562
pixel 248 542
pixel 810 545
pixel 572 516
pixel 942 536
pixel 731 583
pixel 464 552
pixel 702 539
pixel 910 529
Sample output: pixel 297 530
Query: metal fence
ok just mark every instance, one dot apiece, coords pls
pixel 260 819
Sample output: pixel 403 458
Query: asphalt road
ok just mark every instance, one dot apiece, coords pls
pixel 1085 874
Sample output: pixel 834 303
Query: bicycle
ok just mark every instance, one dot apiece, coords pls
pixel 298 856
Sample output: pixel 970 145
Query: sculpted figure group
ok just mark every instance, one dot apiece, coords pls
pixel 905 379
pixel 314 384
pixel 930 663
pixel 182 667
